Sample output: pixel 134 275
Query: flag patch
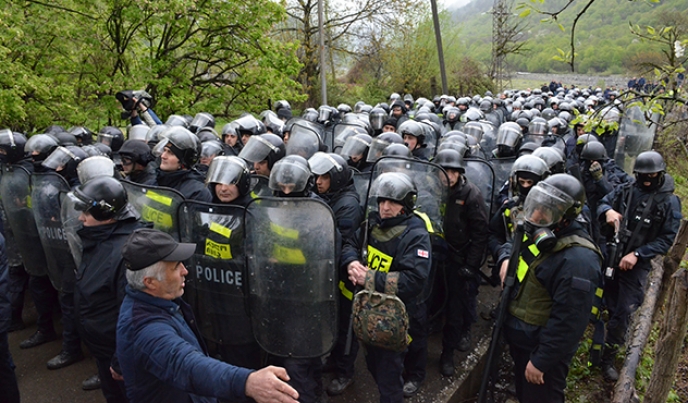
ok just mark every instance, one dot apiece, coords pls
pixel 423 253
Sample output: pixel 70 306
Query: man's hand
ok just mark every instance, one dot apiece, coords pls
pixel 115 375
pixel 534 375
pixel 596 170
pixel 503 270
pixel 357 272
pixel 612 217
pixel 628 262
pixel 270 385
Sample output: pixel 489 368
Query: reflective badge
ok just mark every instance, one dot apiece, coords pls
pixel 159 198
pixel 378 260
pixel 217 250
pixel 159 219
pixel 284 232
pixel 287 255
pixel 423 253
pixel 220 230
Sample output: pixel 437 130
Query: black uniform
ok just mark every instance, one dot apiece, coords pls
pixel 624 293
pixel 188 182
pixel 570 278
pixel 466 233
pixel 146 176
pixel 409 254
pixel 99 291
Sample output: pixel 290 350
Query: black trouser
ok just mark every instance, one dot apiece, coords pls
pixel 387 367
pixel 462 306
pixel 622 296
pixel 344 364
pixel 71 343
pixel 552 391
pixel 9 391
pixel 18 283
pixel 242 355
pixel 46 300
pixel 113 390
pixel 416 358
pixel 305 375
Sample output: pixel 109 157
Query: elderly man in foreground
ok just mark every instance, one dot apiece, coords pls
pixel 160 351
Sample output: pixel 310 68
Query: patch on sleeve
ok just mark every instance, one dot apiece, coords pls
pixel 423 253
pixel 460 202
pixel 580 284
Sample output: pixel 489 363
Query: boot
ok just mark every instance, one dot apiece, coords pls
pixel 447 362
pixel 607 362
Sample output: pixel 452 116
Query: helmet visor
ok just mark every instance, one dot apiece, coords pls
pixel 200 120
pixel 210 148
pixel 545 205
pixel 105 139
pixel 138 132
pixel 58 158
pixel 288 177
pixel 322 163
pixel 508 136
pixel 391 185
pixel 377 146
pixel 303 141
pixel 354 146
pixel 226 170
pixel 79 202
pixel 93 167
pixel 257 149
pixel 474 130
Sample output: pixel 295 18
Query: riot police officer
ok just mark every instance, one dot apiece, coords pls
pixel 263 151
pixel 400 239
pixel 136 157
pixel 179 152
pixel 229 180
pixel 414 138
pixel 466 233
pixel 648 225
pixel 550 309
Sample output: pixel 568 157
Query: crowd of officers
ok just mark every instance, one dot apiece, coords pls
pixel 546 173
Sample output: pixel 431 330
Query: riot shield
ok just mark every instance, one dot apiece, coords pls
pixel 493 118
pixel 502 171
pixel 362 182
pixel 15 191
pixel 480 173
pixel 635 136
pixel 155 204
pixel 489 140
pixel 215 283
pixel 45 196
pixel 431 183
pixel 260 186
pixel 292 275
pixel 71 224
pixel 305 138
pixel 11 247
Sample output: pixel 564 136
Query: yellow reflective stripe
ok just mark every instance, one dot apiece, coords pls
pixel 28 201
pixel 507 212
pixel 220 229
pixel 533 249
pixel 159 198
pixel 378 260
pixel 522 269
pixel 409 339
pixel 217 250
pixel 345 291
pixel 158 218
pixel 594 310
pixel 426 220
pixel 599 292
pixel 284 232
pixel 254 195
pixel 288 255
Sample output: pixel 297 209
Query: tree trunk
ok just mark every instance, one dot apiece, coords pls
pixel 670 340
pixel 641 325
pixel 672 261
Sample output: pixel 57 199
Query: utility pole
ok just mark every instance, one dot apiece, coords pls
pixel 501 11
pixel 323 76
pixel 438 40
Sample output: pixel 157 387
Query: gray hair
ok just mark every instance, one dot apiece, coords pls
pixel 135 278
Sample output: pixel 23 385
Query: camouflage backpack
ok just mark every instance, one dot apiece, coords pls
pixel 380 319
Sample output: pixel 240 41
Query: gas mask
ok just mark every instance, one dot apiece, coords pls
pixel 543 237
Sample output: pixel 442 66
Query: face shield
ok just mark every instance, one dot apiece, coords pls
pixel 545 205
pixel 322 163
pixel 474 130
pixel 354 146
pixel 288 176
pixel 94 167
pixel 138 132
pixel 59 158
pixel 391 185
pixel 201 120
pixel 377 146
pixel 303 140
pixel 41 143
pixel 377 120
pixel 156 133
pixel 105 139
pixel 508 136
pixel 179 137
pixel 257 149
pixel 226 170
pixel 175 120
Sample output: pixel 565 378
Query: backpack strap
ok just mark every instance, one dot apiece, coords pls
pixel 370 280
pixel 392 283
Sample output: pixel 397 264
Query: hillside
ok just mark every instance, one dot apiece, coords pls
pixel 604 41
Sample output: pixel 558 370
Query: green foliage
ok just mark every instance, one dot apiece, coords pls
pixel 65 59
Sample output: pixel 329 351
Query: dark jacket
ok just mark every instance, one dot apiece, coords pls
pixel 5 306
pixel 571 277
pixel 145 177
pixel 465 224
pixel 189 182
pixel 100 282
pixel 347 209
pixel 163 358
pixel 500 229
pixel 664 220
pixel 410 252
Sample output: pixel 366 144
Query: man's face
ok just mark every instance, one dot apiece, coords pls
pixel 231 139
pixel 127 165
pixel 396 111
pixel 244 138
pixel 172 285
pixel 261 168
pixel 411 142
pixel 389 209
pixel 388 128
pixel 453 176
pixel 287 188
pixel 356 158
pixel 525 183
pixel 580 130
pixel 323 183
pixel 168 161
pixel 649 176
pixel 226 193
pixel 87 219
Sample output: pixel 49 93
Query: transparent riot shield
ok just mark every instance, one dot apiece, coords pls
pixel 480 173
pixel 15 191
pixel 305 138
pixel 157 205
pixel 11 247
pixel 71 225
pixel 215 283
pixel 493 118
pixel 636 135
pixel 362 182
pixel 489 140
pixel 502 170
pixel 292 275
pixel 259 186
pixel 45 196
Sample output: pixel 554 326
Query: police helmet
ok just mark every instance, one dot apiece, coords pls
pixel 112 137
pixel 94 167
pixel 412 128
pixel 290 176
pixel 137 151
pixel 65 160
pixel 329 163
pixel 201 120
pixel 40 144
pixel 553 157
pixel 104 198
pixel 396 150
pixel 395 186
pixel 176 120
pixel 157 133
pixel 450 159
pixel 557 197
pixel 229 170
pixel 82 134
pixel 265 147
pixel 182 143
pixel 593 151
pixel 13 144
pixel 138 132
pixel 649 162
pixel 380 142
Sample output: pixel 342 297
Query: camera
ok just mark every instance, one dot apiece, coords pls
pixel 130 100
